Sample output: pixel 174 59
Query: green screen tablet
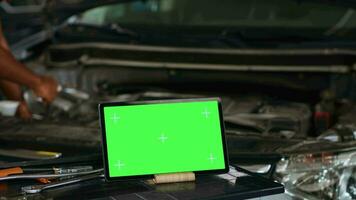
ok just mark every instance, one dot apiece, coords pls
pixel 157 137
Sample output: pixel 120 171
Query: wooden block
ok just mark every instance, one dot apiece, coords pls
pixel 174 178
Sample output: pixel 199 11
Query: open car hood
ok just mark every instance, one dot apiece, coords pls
pixel 33 23
pixel 56 10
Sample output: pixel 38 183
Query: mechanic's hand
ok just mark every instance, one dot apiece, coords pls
pixel 23 111
pixel 47 89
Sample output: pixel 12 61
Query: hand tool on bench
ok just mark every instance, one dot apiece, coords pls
pixel 47 175
pixel 55 170
pixel 39 188
pixel 29 154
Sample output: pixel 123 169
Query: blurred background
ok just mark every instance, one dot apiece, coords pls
pixel 285 70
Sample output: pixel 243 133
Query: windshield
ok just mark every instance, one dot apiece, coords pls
pixel 256 19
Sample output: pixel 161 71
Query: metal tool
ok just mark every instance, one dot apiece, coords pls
pixel 74 169
pixel 30 154
pixel 39 188
pixel 73 160
pixel 36 176
pixel 55 170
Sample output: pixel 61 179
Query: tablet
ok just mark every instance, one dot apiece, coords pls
pixel 141 139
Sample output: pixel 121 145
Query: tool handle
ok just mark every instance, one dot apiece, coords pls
pixel 10 171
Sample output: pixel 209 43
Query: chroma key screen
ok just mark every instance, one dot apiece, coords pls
pixel 160 138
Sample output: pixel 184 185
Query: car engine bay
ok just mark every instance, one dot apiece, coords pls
pixel 312 133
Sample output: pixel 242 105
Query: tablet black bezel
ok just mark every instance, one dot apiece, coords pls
pixel 104 144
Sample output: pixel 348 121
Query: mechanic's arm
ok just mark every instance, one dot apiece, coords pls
pixel 12 90
pixel 13 71
pixel 3 43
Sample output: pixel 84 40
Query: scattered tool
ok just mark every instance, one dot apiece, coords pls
pixel 55 170
pixel 11 171
pixel 47 175
pixel 39 188
pixel 30 154
pixel 92 158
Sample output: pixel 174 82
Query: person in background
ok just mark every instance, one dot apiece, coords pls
pixel 14 74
